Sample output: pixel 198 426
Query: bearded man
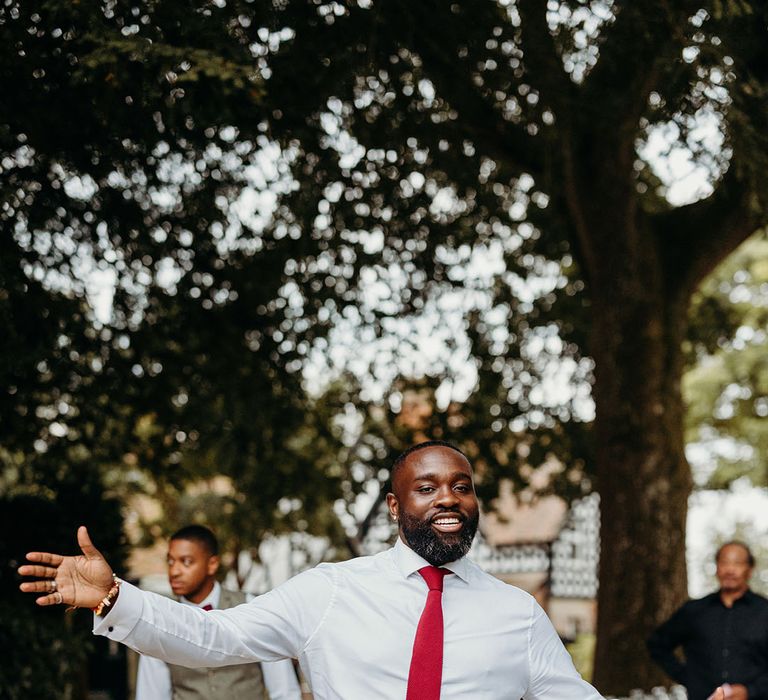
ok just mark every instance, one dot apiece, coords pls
pixel 419 621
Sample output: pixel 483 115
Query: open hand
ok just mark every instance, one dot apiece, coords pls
pixel 81 581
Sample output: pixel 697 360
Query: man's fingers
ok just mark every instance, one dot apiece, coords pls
pixel 36 587
pixel 37 571
pixel 52 599
pixel 84 540
pixel 45 558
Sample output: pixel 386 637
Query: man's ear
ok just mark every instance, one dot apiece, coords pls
pixel 213 565
pixel 393 505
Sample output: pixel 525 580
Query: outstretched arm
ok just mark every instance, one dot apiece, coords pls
pixel 81 581
pixel 275 626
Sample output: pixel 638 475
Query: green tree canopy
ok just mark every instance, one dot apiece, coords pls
pixel 727 389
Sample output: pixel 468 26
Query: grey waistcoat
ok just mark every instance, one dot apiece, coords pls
pixel 241 682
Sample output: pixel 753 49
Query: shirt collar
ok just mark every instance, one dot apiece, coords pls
pixel 211 599
pixel 745 598
pixel 408 562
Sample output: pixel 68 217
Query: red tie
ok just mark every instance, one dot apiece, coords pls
pixel 207 606
pixel 426 671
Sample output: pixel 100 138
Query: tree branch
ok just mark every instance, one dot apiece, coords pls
pixel 543 65
pixel 695 238
pixel 627 69
pixel 489 130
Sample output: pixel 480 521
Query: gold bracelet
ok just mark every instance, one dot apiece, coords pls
pixel 108 599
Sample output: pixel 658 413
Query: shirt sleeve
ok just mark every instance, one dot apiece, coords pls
pixel 663 642
pixel 281 681
pixel 153 681
pixel 552 673
pixel 273 626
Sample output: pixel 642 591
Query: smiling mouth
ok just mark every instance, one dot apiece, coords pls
pixel 448 523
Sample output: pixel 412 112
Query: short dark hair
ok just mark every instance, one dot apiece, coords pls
pixel 200 534
pixel 736 543
pixel 400 459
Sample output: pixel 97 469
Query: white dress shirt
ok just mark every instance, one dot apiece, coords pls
pixel 153 681
pixel 352 626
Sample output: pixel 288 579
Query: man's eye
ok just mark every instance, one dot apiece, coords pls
pixel 425 489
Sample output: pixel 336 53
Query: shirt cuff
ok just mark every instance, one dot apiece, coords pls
pixel 123 616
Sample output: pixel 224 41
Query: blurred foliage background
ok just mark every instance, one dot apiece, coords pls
pixel 279 242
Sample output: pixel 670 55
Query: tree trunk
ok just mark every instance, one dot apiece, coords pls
pixel 642 475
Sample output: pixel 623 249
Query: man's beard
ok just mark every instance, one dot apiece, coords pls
pixel 436 548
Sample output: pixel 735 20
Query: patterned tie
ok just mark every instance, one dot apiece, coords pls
pixel 207 606
pixel 426 671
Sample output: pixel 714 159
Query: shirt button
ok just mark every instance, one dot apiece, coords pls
pixel 111 629
pixel 725 652
pixel 725 674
